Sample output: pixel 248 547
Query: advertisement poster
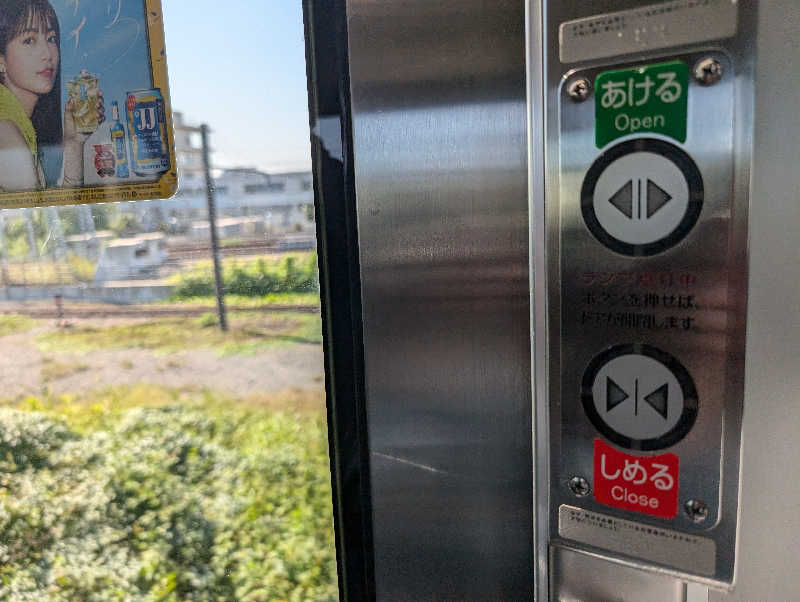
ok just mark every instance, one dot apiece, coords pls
pixel 84 103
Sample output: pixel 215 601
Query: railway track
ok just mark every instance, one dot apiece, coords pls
pixel 140 311
pixel 203 251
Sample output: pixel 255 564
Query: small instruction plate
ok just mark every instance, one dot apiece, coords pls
pixel 650 27
pixel 681 551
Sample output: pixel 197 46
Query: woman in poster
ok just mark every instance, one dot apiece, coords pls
pixel 37 149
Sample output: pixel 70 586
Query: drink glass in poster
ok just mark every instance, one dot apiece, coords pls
pixel 83 93
pixel 85 113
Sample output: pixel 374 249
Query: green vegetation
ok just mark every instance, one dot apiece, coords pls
pixel 12 324
pixel 54 370
pixel 65 271
pixel 294 273
pixel 82 269
pixel 155 494
pixel 309 299
pixel 125 224
pixel 247 334
pixel 16 228
pixel 103 214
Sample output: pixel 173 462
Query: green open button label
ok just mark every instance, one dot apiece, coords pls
pixel 649 99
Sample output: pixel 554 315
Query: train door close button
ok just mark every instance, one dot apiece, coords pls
pixel 639 397
pixel 642 196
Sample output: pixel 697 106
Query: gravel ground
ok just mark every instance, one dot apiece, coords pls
pixel 25 370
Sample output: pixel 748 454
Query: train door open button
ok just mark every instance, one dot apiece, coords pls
pixel 642 196
pixel 639 397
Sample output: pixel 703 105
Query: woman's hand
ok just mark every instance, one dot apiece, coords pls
pixel 74 142
pixel 71 134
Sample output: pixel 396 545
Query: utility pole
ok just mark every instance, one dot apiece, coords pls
pixel 212 227
pixel 33 246
pixel 3 251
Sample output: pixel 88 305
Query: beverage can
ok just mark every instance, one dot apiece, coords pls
pixel 84 92
pixel 147 132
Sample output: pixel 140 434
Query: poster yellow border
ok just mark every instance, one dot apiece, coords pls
pixel 164 187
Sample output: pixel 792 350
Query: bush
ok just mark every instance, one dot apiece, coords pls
pixel 82 269
pixel 291 274
pixel 207 320
pixel 194 285
pixel 28 440
pixel 172 503
pixel 125 224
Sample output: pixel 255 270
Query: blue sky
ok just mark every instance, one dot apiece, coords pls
pixel 241 70
pixel 107 38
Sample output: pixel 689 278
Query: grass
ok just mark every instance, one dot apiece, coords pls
pixel 171 364
pixel 272 259
pixel 93 410
pixel 110 401
pixel 54 370
pixel 13 324
pixel 247 334
pixel 42 272
pixel 232 242
pixel 309 299
pixel 89 411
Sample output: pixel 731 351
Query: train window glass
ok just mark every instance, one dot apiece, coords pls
pixel 145 453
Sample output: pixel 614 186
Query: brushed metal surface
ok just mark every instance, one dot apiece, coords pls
pixel 769 524
pixel 646 28
pixel 439 127
pixel 580 577
pixel 684 552
pixel 539 302
pixel 723 341
pixel 703 253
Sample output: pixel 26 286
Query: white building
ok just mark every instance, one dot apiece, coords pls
pixel 231 227
pixel 284 200
pixel 88 244
pixel 188 148
pixel 125 258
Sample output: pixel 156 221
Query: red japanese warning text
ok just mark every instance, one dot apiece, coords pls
pixel 646 484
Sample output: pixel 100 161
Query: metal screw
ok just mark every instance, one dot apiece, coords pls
pixel 696 510
pixel 708 71
pixel 579 89
pixel 579 486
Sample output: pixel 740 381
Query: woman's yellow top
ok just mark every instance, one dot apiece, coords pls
pixel 11 110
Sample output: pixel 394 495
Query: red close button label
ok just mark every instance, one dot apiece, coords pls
pixel 646 484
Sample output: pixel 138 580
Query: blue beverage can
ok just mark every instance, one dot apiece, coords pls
pixel 147 132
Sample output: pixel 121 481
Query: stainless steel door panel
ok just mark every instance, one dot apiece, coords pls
pixel 579 577
pixel 769 524
pixel 439 127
